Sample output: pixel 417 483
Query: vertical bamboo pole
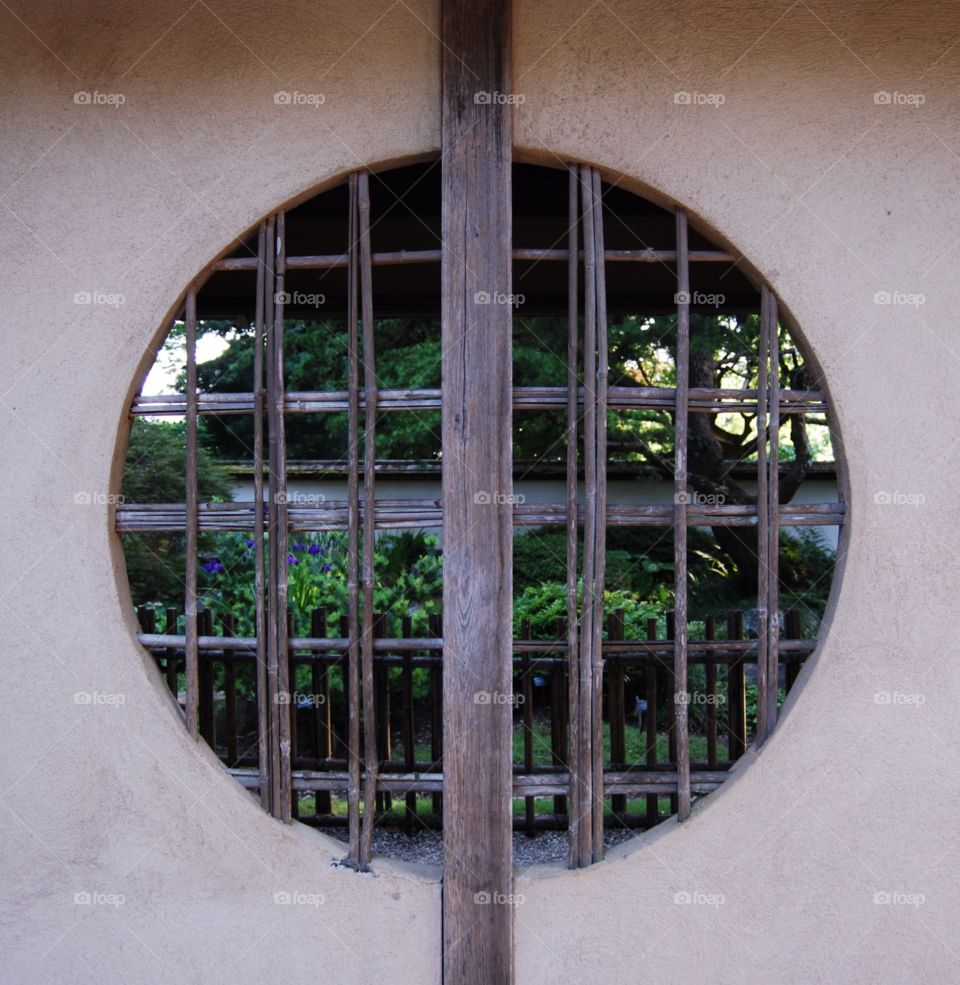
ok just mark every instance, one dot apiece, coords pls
pixel 575 800
pixel 277 666
pixel 191 654
pixel 264 283
pixel 763 523
pixel 353 536
pixel 710 633
pixel 588 609
pixel 369 529
pixel 680 706
pixel 600 528
pixel 773 518
pixel 650 732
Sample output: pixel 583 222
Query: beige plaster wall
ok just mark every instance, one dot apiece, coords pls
pixel 832 196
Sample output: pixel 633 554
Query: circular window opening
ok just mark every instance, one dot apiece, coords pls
pixel 301 379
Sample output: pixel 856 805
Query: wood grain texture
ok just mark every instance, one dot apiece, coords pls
pixel 478 551
pixel 680 520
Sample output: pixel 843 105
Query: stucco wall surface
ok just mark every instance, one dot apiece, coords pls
pixel 831 857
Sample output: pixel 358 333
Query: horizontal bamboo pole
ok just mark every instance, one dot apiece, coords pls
pixel 631 783
pixel 331 261
pixel 703 400
pixel 402 514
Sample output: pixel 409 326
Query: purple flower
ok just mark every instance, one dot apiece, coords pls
pixel 315 549
pixel 299 547
pixel 326 569
pixel 292 560
pixel 213 567
pixel 251 543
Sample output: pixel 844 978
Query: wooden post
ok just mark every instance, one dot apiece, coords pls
pixel 773 521
pixel 191 652
pixel 710 633
pixel 476 141
pixel 681 692
pixel 574 758
pixel 650 731
pixel 264 284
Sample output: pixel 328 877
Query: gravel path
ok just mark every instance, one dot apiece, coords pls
pixel 426 847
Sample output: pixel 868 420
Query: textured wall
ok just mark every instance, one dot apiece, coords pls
pixel 831 195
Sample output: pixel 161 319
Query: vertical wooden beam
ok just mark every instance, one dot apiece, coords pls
pixel 773 516
pixel 763 524
pixel 680 706
pixel 476 140
pixel 277 662
pixel 600 527
pixel 353 534
pixel 576 859
pixel 585 757
pixel 259 577
pixel 369 532
pixel 191 652
pixel 710 633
